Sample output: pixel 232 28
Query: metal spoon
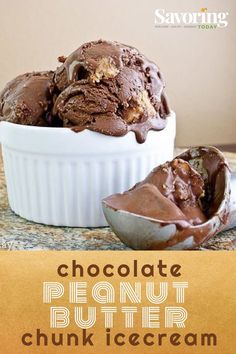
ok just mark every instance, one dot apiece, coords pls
pixel 141 232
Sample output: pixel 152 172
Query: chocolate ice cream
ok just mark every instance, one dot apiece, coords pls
pixel 187 191
pixel 110 88
pixel 180 204
pixel 27 99
pixel 103 86
pixel 172 191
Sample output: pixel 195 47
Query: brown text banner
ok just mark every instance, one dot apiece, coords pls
pixel 117 301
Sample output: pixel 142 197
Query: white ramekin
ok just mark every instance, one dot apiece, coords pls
pixel 57 177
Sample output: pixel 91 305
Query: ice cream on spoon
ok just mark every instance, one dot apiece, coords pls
pixel 179 205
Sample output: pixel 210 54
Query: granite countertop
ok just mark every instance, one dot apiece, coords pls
pixel 19 234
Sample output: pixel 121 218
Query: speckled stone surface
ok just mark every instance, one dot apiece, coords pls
pixel 19 234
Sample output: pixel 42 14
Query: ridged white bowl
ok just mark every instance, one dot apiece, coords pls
pixel 57 177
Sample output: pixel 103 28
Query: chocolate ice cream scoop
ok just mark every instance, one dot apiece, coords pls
pixel 110 88
pixel 107 87
pixel 27 99
pixel 86 105
pixel 179 205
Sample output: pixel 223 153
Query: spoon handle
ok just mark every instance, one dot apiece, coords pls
pixel 232 217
